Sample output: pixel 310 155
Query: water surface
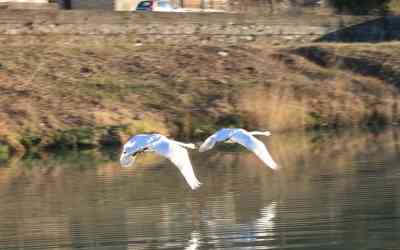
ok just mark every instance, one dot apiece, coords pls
pixel 335 191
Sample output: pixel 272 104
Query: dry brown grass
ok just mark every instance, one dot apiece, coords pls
pixel 67 92
pixel 274 108
pixel 394 6
pixel 328 85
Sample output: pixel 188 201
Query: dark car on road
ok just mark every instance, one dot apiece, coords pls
pixel 145 6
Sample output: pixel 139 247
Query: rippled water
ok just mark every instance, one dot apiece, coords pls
pixel 335 191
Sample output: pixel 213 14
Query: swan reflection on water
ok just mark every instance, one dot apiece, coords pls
pixel 265 225
pixel 261 228
pixel 194 241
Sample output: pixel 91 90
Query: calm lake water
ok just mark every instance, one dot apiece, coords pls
pixel 335 191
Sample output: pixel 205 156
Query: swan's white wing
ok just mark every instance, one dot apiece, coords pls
pixel 208 144
pixel 180 157
pixel 256 146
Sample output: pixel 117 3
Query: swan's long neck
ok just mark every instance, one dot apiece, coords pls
pixel 266 133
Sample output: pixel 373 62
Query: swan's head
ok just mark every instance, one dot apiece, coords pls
pixel 127 158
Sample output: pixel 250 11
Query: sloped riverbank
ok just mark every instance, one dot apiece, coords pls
pixel 90 93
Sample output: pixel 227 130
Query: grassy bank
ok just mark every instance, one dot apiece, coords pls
pixel 85 93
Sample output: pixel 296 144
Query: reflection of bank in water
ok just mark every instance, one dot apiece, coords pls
pixel 332 149
pixel 327 181
pixel 295 151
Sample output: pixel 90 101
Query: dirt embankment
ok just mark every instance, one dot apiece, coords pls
pixel 89 94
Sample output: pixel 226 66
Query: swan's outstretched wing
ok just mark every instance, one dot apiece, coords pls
pixel 180 157
pixel 256 146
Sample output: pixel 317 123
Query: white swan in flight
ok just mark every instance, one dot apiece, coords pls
pixel 244 138
pixel 173 150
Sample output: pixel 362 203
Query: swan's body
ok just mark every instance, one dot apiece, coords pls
pixel 244 138
pixel 173 150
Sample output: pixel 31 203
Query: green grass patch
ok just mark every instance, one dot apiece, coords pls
pixel 5 152
pixel 72 138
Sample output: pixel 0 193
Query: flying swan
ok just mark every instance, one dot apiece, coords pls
pixel 173 150
pixel 244 138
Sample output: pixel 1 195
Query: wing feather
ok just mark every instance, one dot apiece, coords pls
pixel 180 157
pixel 256 146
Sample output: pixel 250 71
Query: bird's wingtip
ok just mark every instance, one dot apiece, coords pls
pixel 275 167
pixel 196 185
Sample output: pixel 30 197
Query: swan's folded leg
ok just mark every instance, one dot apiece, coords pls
pixel 186 145
pixel 265 133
